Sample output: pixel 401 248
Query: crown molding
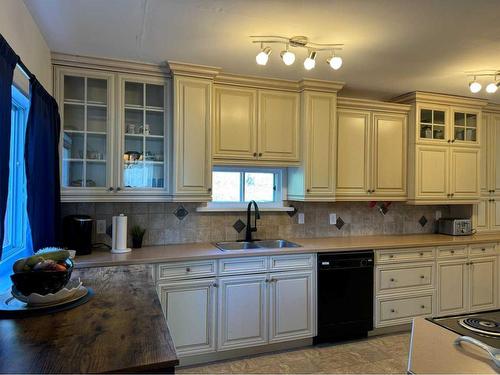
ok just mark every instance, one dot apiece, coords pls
pixel 492 107
pixel 192 70
pixel 256 82
pixel 320 85
pixel 436 98
pixel 106 64
pixel 373 105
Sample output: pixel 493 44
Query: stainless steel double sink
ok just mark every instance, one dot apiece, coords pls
pixel 264 244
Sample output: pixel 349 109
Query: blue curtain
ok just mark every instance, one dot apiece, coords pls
pixel 8 61
pixel 41 155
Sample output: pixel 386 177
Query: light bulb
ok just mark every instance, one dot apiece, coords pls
pixel 310 62
pixel 335 62
pixel 492 88
pixel 263 56
pixel 475 87
pixel 288 57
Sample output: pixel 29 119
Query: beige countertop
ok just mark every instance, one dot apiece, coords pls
pixel 433 351
pixel 194 251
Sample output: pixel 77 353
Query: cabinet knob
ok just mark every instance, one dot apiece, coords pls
pixel 215 285
pixel 449 140
pixel 209 189
pixel 421 254
pixel 188 269
pixel 110 189
pixel 260 153
pixel 254 154
pixel 391 256
pixel 118 189
pixel 422 276
pixel 393 311
pixel 452 194
pixel 423 306
pixel 267 280
pixel 308 190
pixel 392 279
pixel 453 140
pixel 483 249
pixel 452 251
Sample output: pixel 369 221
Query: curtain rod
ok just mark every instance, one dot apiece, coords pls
pixel 25 69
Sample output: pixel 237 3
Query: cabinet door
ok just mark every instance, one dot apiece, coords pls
pixel 291 309
pixel 481 215
pixel 432 172
pixel 192 156
pixel 235 127
pixel 389 155
pixel 484 155
pixel 320 119
pixel 452 281
pixel 278 126
pixel 143 136
pixel 190 309
pixel 494 154
pixel 87 113
pixel 432 124
pixel 483 283
pixel 464 172
pixel 465 126
pixel 353 153
pixel 494 213
pixel 242 318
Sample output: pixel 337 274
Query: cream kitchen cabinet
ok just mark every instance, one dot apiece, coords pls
pixel 486 214
pixel 314 180
pixel 452 286
pixel 483 285
pixel 444 161
pixel 255 126
pixel 243 311
pixel 190 309
pixel 371 151
pixel 192 162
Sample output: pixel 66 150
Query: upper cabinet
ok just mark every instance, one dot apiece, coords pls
pixel 444 159
pixel 255 127
pixel 371 151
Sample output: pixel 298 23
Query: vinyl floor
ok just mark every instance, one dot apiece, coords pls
pixel 386 354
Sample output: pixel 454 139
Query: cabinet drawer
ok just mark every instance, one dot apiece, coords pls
pixel 202 268
pixel 405 255
pixel 235 266
pixel 485 249
pixel 397 278
pixel 288 262
pixel 451 251
pixel 399 310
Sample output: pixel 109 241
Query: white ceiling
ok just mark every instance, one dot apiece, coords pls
pixel 391 46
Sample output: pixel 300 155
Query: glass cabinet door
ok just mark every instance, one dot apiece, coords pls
pixel 143 127
pixel 85 116
pixel 432 124
pixel 465 127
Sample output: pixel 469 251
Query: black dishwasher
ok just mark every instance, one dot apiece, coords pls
pixel 345 295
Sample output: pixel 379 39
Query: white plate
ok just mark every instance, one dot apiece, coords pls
pixel 35 299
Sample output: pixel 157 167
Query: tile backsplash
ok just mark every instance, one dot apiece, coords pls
pixel 163 226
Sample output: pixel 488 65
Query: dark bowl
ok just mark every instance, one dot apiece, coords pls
pixel 42 282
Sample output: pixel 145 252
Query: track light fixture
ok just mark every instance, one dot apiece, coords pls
pixel 492 87
pixel 288 57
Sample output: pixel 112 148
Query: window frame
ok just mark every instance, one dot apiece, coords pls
pixel 279 191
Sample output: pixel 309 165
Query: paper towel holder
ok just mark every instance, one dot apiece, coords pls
pixel 119 228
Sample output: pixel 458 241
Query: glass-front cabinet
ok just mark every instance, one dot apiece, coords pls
pixel 432 124
pixel 114 138
pixel 465 126
pixel 144 135
pixel 86 108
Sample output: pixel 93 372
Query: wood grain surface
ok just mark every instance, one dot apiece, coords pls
pixel 121 329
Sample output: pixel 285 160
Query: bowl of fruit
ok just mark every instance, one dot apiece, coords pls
pixel 42 273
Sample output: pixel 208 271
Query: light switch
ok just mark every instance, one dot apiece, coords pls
pixel 101 227
pixel 300 217
pixel 333 219
pixel 438 214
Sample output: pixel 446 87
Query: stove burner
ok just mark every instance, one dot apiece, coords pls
pixel 484 326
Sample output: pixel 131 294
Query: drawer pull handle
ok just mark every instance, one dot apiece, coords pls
pixel 392 280
pixel 393 311
pixel 267 280
pixel 421 254
pixel 188 269
pixel 483 249
pixel 452 251
pixel 391 256
pixel 422 276
pixel 423 306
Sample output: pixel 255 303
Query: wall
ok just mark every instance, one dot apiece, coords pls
pixel 163 227
pixel 21 32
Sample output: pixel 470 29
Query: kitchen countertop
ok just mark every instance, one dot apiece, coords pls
pixel 195 251
pixel 121 329
pixel 433 351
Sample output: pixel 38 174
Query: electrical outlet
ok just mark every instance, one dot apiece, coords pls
pixel 300 217
pixel 101 227
pixel 333 219
pixel 438 214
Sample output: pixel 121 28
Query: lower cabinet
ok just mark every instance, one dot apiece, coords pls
pixel 483 283
pixel 243 311
pixel 249 301
pixel 190 308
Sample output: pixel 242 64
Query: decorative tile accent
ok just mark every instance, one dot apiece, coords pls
pixel 340 223
pixel 180 212
pixel 292 213
pixel 239 225
pixel 423 220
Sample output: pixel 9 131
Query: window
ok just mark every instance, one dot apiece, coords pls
pixel 233 186
pixel 16 219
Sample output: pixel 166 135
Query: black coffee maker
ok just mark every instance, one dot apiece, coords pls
pixel 77 233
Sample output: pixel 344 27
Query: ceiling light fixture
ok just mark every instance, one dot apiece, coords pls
pixel 288 56
pixel 263 56
pixel 493 86
pixel 475 86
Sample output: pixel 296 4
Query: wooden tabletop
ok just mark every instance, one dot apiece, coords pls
pixel 121 329
pixel 433 351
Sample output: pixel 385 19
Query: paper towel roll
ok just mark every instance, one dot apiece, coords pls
pixel 119 235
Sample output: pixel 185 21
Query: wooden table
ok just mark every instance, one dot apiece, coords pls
pixel 121 329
